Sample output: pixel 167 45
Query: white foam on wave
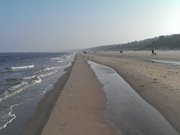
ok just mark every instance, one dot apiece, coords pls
pixel 60 61
pixel 71 56
pixel 22 67
pixel 48 74
pixel 13 90
pixel 63 58
pixel 23 85
pixel 57 59
pixel 68 56
pixel 16 89
pixel 51 68
pixel 28 78
pixel 34 78
pixel 39 80
pixel 10 114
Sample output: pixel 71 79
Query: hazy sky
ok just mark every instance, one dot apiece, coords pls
pixel 55 25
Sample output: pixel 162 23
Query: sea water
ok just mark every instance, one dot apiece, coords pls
pixel 24 79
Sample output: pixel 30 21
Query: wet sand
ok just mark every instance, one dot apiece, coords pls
pixel 35 125
pixel 157 83
pixel 126 109
pixel 79 109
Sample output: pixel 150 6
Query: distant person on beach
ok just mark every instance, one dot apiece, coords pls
pixel 153 52
pixel 121 51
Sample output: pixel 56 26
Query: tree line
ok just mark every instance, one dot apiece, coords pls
pixel 168 42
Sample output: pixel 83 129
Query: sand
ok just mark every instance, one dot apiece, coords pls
pixel 79 109
pixel 35 125
pixel 157 83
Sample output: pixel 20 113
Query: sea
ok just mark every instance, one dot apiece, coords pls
pixel 24 80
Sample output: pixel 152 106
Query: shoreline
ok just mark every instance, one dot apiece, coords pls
pixel 142 84
pixel 81 105
pixel 70 101
pixel 35 124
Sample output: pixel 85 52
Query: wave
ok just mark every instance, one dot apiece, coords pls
pixel 48 74
pixel 9 115
pixel 57 59
pixel 28 81
pixel 16 89
pixel 38 80
pixel 68 56
pixel 63 58
pixel 51 68
pixel 60 61
pixel 13 90
pixel 60 67
pixel 34 79
pixel 21 67
pixel 31 77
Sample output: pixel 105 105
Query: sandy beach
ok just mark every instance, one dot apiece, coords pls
pixel 79 109
pixel 157 83
pixel 92 67
pixel 35 125
pixel 77 104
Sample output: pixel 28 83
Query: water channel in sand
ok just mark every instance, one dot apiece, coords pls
pixel 129 112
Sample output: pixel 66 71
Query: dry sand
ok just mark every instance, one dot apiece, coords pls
pixel 79 109
pixel 157 83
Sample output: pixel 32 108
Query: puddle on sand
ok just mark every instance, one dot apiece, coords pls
pixel 173 63
pixel 129 112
